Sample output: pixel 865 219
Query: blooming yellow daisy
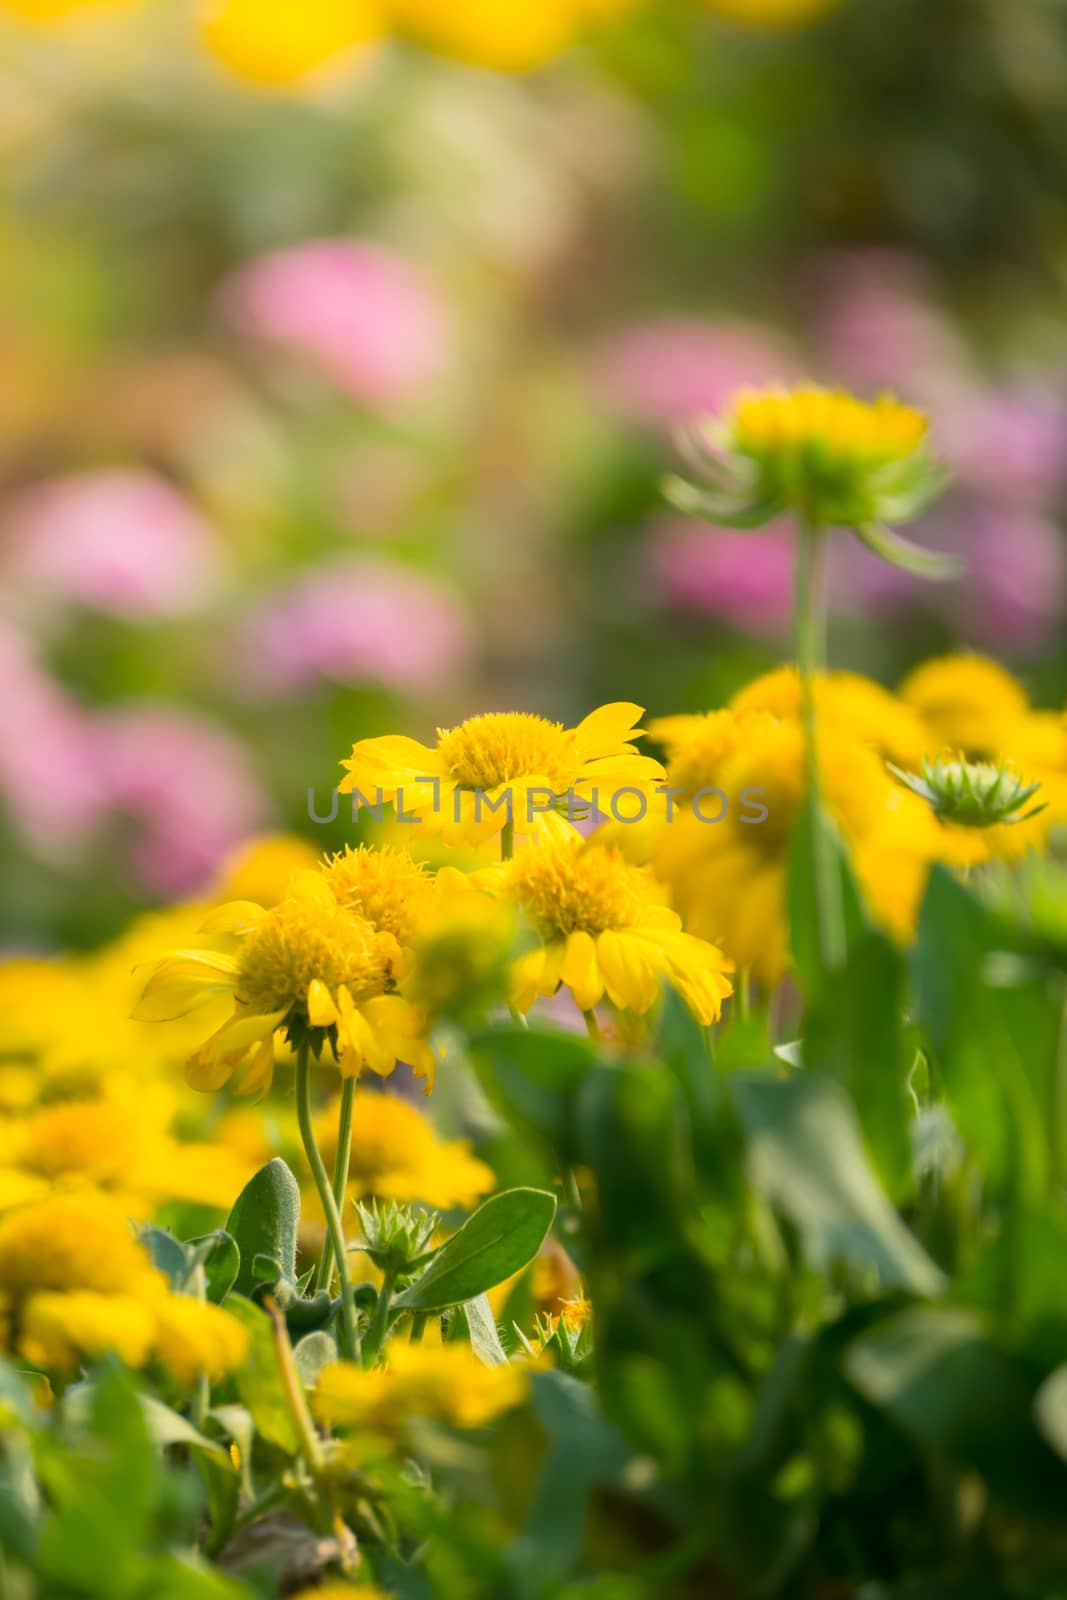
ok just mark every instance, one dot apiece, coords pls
pixel 305 964
pixel 504 768
pixel 604 929
pixel 386 886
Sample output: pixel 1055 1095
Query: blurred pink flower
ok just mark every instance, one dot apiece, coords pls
pixel 878 326
pixel 365 317
pixel 745 578
pixel 1016 576
pixel 52 780
pixel 665 372
pixel 1012 442
pixel 356 621
pixel 188 786
pixel 124 542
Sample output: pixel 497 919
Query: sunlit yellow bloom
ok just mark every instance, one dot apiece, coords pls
pixel 825 427
pixel 439 1383
pixel 604 929
pixel 304 964
pixel 501 766
pixel 729 878
pixel 773 13
pixel 275 43
pixel 966 703
pixel 81 1241
pixel 508 35
pixel 854 705
pixel 260 869
pixel 385 886
pixel 194 1337
pixel 59 1331
pixel 397 1155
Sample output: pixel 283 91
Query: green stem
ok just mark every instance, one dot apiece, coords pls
pixel 507 840
pixel 418 1327
pixel 1057 1132
pixel 372 1344
pixel 592 1026
pixel 349 1340
pixel 340 1174
pixel 809 631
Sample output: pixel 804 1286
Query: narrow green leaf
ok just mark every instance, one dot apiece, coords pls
pixel 258 1382
pixel 499 1239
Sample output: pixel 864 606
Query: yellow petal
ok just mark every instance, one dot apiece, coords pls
pixel 322 1013
pixel 580 972
pixel 181 981
pixel 237 916
pixel 603 730
pixel 630 970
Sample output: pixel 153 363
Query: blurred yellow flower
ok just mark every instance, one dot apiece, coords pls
pixel 43 12
pixel 508 35
pixel 438 1383
pixel 966 702
pixel 397 1155
pixel 194 1337
pixel 506 765
pixel 260 868
pixel 604 929
pixel 854 705
pixel 275 43
pixel 81 1241
pixel 793 427
pixel 342 1591
pixel 385 886
pixel 58 1331
pixel 461 955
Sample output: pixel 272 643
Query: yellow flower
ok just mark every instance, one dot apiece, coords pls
pixel 44 12
pixel 304 964
pixel 260 869
pixel 438 1383
pixel 275 43
pixel 59 1331
pixel 773 13
pixel 385 886
pixel 604 930
pixel 342 1591
pixel 397 1155
pixel 194 1337
pixel 507 35
pixel 73 1241
pixel 504 766
pixel 462 954
pixel 729 879
pixel 852 704
pixel 966 703
pixel 808 425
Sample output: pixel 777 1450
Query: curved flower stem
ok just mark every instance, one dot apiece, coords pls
pixel 349 1334
pixel 507 840
pixel 809 631
pixel 592 1026
pixel 340 1174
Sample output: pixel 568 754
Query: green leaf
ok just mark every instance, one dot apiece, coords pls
pixel 264 1221
pixel 853 1032
pixel 499 1239
pixel 532 1075
pixel 258 1382
pixel 168 1254
pixel 480 1325
pixel 313 1352
pixel 939 1376
pixel 807 1157
pixel 994 1046
pixel 218 1254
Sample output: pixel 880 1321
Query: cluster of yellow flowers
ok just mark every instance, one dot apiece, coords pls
pixel 274 44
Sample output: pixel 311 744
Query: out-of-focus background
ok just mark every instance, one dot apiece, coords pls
pixel 340 353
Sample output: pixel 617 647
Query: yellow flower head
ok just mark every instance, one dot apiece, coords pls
pixel 501 767
pixel 397 1155
pixel 305 964
pixel 852 704
pixel 419 1382
pixel 73 1241
pixel 604 930
pixel 385 886
pixel 506 35
pixel 830 458
pixel 59 1331
pixel 260 869
pixel 966 703
pixel 275 43
pixel 729 878
pixel 194 1337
